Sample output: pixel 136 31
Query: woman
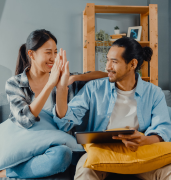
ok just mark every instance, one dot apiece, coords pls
pixel 33 88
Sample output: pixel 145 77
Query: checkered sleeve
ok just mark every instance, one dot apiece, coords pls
pixel 19 104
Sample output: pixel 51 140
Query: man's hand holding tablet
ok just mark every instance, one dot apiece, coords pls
pixel 101 136
pixel 133 141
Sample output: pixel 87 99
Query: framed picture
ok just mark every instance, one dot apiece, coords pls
pixel 135 32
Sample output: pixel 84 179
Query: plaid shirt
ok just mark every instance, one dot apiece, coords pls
pixel 19 95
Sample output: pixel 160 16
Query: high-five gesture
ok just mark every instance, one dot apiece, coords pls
pixel 55 73
pixel 61 57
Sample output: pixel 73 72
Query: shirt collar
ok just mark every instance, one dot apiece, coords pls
pixel 24 80
pixel 139 87
pixel 112 85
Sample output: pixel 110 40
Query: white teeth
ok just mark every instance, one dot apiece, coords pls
pixel 50 65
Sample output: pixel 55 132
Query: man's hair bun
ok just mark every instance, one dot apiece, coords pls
pixel 147 53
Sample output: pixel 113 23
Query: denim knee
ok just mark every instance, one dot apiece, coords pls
pixel 56 159
pixel 61 157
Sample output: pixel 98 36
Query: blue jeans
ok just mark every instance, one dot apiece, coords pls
pixel 55 160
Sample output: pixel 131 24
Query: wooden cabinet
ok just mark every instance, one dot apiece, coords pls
pixel 148 21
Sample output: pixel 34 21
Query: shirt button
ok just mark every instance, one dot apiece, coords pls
pixel 108 116
pixel 113 102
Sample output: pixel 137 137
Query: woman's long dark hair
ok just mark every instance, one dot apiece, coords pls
pixel 133 50
pixel 34 41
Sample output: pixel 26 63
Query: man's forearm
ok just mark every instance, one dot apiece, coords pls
pixel 90 76
pixel 61 101
pixel 152 139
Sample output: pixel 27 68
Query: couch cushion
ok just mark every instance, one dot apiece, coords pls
pixel 3 99
pixel 4 112
pixel 117 158
pixel 4 107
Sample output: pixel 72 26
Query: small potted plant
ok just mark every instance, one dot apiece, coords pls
pixel 116 30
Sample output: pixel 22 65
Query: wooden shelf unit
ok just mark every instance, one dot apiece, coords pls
pixel 89 42
pixel 97 43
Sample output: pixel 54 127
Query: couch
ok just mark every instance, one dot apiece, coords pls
pixel 69 173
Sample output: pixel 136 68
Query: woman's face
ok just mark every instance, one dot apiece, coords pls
pixel 44 58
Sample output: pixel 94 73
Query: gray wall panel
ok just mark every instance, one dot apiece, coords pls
pixel 163 40
pixel 169 9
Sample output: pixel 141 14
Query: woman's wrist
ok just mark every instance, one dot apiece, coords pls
pixel 49 86
pixel 62 88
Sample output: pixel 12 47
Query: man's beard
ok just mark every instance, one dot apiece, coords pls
pixel 110 78
pixel 112 81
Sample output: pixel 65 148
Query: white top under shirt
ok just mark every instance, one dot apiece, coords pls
pixel 48 104
pixel 125 111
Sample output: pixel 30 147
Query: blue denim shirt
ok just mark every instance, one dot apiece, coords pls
pixel 99 97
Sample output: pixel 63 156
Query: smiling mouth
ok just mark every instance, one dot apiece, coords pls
pixel 50 65
pixel 110 74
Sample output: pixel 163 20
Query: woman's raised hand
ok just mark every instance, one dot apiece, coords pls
pixel 55 73
pixel 64 78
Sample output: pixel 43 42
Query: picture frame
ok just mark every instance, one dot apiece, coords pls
pixel 135 32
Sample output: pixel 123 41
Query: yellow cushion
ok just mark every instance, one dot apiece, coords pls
pixel 116 158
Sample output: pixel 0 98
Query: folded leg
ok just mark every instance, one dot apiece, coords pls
pixel 163 173
pixel 55 160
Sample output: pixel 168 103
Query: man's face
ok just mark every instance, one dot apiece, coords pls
pixel 116 66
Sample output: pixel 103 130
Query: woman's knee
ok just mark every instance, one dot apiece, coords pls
pixel 61 157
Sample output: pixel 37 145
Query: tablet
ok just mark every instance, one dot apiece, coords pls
pixel 100 136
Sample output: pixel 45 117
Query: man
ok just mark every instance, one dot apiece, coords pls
pixel 123 99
